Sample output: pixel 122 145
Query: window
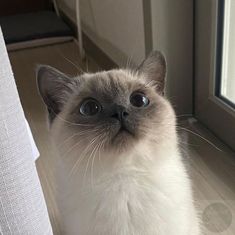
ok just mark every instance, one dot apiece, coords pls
pixel 226 84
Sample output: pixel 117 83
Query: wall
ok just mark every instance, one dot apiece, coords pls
pixel 132 28
pixel 115 26
pixel 172 32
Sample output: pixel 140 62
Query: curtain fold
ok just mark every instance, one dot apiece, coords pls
pixel 22 206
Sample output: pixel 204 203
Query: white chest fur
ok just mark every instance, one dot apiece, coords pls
pixel 157 200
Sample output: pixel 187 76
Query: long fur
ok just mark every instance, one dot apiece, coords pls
pixel 112 183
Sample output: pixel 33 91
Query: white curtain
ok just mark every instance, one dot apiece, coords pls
pixel 22 205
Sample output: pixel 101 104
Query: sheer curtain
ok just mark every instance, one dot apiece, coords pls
pixel 22 205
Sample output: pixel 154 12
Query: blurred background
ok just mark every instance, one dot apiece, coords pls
pixel 197 38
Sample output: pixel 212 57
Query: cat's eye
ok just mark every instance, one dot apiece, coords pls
pixel 90 107
pixel 139 99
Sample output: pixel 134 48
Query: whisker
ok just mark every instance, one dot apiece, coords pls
pixel 87 165
pixel 72 123
pixel 68 60
pixel 92 165
pixel 80 133
pixel 66 121
pixel 198 135
pixel 102 145
pixel 70 149
pixel 184 115
pixel 69 138
pixel 78 162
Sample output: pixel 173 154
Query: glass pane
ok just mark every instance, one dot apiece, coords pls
pixel 227 88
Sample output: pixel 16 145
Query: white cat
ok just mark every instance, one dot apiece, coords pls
pixel 119 169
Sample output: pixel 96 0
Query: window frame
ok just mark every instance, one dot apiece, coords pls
pixel 212 109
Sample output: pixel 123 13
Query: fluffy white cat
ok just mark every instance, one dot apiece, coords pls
pixel 119 171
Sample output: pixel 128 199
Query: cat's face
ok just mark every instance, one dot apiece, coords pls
pixel 115 109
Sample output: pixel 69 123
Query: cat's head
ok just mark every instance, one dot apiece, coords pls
pixel 114 109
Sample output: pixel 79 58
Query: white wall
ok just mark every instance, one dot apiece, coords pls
pixel 172 29
pixel 116 26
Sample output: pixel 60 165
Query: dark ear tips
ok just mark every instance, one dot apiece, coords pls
pixel 157 56
pixel 41 71
pixel 45 74
pixel 54 88
pixel 154 70
pixel 40 67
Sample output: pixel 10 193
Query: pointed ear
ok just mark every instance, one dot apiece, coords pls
pixel 154 69
pixel 54 88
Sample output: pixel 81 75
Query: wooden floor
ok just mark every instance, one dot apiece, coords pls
pixel 212 171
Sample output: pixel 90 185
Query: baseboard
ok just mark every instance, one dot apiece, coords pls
pixel 37 43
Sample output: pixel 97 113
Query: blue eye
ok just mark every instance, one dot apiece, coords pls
pixel 138 99
pixel 90 107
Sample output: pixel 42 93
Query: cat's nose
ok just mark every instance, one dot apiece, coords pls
pixel 120 113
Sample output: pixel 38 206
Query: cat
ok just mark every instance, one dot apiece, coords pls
pixel 120 170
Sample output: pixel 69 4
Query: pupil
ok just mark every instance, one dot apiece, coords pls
pixel 91 108
pixel 139 100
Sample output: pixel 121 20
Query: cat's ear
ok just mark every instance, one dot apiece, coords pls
pixel 54 88
pixel 154 70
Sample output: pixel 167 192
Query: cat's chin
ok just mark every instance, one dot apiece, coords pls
pixel 123 132
pixel 123 140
